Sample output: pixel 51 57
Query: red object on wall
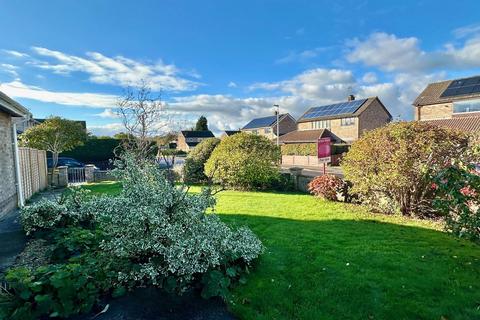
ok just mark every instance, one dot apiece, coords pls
pixel 324 148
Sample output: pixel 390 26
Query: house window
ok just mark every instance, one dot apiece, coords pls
pixel 466 106
pixel 268 130
pixel 255 131
pixel 347 121
pixel 321 124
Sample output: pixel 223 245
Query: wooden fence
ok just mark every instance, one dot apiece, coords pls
pixel 33 170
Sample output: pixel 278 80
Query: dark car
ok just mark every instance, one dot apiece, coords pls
pixel 63 161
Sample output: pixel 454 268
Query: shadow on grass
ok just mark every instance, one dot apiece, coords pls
pixel 357 269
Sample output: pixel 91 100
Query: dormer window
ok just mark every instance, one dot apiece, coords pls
pixel 466 106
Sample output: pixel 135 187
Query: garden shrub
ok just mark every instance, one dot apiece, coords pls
pixel 326 186
pixel 244 161
pixel 165 232
pixel 458 199
pixel 399 161
pixel 43 215
pixel 48 214
pixel 193 169
pixel 55 290
pixel 153 233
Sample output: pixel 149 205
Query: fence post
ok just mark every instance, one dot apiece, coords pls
pixel 90 173
pixel 62 176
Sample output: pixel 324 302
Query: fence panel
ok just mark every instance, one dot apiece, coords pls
pixel 33 170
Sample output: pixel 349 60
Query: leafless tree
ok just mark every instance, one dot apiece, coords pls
pixel 144 116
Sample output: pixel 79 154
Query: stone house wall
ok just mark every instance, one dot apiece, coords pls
pixel 8 190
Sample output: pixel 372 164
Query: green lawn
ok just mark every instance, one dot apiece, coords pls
pixel 327 260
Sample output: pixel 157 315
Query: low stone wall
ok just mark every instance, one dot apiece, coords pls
pixel 103 175
pixel 309 161
pixel 300 182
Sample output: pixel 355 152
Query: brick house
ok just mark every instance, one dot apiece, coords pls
pixel 11 114
pixel 346 120
pixel 228 133
pixel 188 139
pixel 451 103
pixel 267 126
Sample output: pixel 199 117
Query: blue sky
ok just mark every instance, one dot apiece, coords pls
pixel 230 60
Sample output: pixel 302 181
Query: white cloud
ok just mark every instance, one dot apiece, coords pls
pixel 16 54
pixel 9 69
pixel 465 31
pixel 301 56
pixel 118 70
pixel 17 89
pixel 390 53
pixel 232 84
pixel 370 77
pixel 107 129
pixel 319 84
pixel 108 113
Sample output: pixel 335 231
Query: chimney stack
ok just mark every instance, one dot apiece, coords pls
pixel 351 97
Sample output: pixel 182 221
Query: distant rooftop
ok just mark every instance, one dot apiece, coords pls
pixel 262 122
pixel 449 91
pixel 467 124
pixel 338 110
pixel 197 134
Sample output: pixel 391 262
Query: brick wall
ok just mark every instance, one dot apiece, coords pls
pixel 262 132
pixel 287 125
pixel 181 143
pixel 8 192
pixel 346 133
pixel 435 111
pixel 373 117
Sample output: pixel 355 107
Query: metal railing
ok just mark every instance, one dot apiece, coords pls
pixel 76 175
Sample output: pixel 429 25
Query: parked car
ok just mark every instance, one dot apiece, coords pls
pixel 64 161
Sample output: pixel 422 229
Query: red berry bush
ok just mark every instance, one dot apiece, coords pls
pixel 325 186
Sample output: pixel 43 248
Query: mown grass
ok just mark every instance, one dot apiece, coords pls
pixel 326 260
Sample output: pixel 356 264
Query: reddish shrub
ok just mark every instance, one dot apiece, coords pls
pixel 325 186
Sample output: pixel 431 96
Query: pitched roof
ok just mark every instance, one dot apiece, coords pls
pixel 469 124
pixel 308 136
pixel 231 132
pixel 12 107
pixel 263 122
pixel 340 110
pixel 432 94
pixel 197 134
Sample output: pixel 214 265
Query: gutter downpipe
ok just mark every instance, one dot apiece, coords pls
pixel 21 197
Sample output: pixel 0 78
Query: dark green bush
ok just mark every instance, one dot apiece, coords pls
pixel 58 290
pixel 193 170
pixel 94 150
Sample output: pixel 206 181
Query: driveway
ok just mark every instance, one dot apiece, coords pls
pixel 12 236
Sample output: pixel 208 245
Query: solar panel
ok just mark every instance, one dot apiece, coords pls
pixel 261 122
pixel 334 109
pixel 462 87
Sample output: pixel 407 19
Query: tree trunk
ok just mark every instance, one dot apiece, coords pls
pixel 54 160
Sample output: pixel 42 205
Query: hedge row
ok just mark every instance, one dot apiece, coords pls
pixel 309 149
pixel 94 150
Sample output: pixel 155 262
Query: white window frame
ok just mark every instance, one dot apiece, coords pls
pixel 474 102
pixel 320 124
pixel 345 122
